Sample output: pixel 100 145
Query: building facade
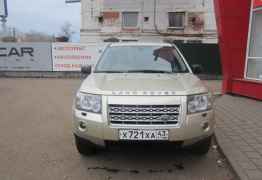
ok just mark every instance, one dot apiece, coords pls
pixel 240 46
pixel 148 20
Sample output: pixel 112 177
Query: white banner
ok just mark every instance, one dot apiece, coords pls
pixel 25 57
pixel 71 56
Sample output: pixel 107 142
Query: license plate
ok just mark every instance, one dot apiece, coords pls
pixel 143 135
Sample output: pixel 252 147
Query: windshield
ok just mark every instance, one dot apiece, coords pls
pixel 145 59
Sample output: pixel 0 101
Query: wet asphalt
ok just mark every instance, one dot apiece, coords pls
pixel 36 142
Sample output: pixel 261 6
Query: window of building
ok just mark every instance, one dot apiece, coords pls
pixel 130 19
pixel 254 60
pixel 176 19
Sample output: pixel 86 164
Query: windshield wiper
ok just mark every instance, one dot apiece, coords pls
pixel 142 71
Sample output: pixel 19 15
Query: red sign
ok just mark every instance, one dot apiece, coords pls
pixel 257 3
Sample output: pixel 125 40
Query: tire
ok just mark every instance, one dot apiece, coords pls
pixel 84 147
pixel 202 147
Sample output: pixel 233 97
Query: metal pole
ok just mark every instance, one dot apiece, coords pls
pixel 155 23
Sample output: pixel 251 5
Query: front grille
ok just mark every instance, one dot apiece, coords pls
pixel 144 114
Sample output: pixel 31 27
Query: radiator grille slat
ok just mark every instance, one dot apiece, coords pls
pixel 144 114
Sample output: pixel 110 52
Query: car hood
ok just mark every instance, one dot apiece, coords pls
pixel 142 84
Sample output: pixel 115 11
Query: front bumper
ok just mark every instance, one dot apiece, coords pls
pixel 98 130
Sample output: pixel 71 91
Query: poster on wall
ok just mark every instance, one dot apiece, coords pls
pixel 25 57
pixel 72 56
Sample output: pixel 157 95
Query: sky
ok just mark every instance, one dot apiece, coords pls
pixel 45 16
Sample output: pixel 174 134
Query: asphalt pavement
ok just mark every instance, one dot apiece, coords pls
pixel 36 142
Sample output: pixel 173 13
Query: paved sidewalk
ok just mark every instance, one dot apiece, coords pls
pixel 239 134
pixel 214 86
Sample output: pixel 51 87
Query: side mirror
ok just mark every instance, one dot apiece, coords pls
pixel 197 68
pixel 86 69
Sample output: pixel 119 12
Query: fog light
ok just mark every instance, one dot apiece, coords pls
pixel 82 126
pixel 205 126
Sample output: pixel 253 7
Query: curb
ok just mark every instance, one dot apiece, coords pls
pixel 66 75
pixel 53 74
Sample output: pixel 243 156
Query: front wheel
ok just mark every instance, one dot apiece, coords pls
pixel 202 147
pixel 84 147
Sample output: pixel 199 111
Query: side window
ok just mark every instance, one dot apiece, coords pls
pixel 254 60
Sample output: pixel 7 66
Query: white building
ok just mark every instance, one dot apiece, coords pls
pixel 148 20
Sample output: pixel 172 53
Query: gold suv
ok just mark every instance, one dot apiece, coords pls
pixel 142 92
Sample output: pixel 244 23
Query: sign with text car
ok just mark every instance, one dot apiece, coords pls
pixel 72 56
pixel 25 57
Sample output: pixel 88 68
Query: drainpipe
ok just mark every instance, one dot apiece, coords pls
pixel 142 17
pixel 155 25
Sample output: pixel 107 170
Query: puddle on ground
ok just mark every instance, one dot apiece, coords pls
pixel 178 166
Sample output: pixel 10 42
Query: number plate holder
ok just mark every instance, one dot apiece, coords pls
pixel 143 135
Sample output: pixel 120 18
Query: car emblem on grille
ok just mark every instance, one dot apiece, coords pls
pixel 165 118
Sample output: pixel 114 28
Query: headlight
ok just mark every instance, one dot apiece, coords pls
pixel 88 102
pixel 199 103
